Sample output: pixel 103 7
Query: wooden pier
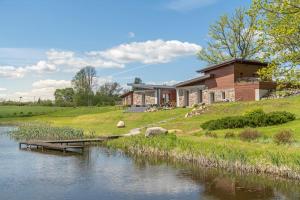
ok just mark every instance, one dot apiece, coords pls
pixel 63 145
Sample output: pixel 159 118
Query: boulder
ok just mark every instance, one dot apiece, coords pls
pixel 153 131
pixel 132 132
pixel 121 124
pixel 174 131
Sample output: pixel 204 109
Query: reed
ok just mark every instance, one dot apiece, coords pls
pixel 212 152
pixel 37 131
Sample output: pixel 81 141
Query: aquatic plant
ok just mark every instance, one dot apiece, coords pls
pixel 31 131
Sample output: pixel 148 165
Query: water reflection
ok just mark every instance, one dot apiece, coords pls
pixel 100 173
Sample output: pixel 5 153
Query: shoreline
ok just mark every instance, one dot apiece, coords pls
pixel 186 157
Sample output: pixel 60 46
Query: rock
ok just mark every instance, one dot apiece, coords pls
pixel 187 115
pixel 132 132
pixel 121 124
pixel 173 131
pixel 153 131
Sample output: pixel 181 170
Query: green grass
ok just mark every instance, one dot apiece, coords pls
pixel 260 154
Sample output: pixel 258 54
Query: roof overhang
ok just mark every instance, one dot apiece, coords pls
pixel 150 87
pixel 126 94
pixel 191 81
pixel 229 62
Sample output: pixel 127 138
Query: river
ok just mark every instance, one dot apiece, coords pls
pixel 104 174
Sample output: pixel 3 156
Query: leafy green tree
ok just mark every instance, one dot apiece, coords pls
pixel 83 82
pixel 232 37
pixel 280 22
pixel 64 97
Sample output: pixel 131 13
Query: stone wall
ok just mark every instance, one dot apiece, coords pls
pixel 137 98
pixel 127 100
pixel 150 97
pixel 194 99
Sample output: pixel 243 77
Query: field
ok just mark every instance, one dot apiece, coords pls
pixel 103 120
pixel 261 155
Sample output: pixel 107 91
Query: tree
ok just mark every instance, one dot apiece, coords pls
pixel 232 37
pixel 137 80
pixel 110 89
pixel 83 83
pixel 279 20
pixel 108 94
pixel 64 97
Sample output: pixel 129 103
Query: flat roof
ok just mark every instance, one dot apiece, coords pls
pixel 150 87
pixel 228 62
pixel 201 78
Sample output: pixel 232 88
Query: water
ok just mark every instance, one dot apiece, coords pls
pixel 103 174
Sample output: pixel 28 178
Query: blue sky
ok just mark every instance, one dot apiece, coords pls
pixel 44 42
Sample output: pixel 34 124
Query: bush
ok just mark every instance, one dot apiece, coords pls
pixel 256 118
pixel 211 134
pixel 284 137
pixel 229 135
pixel 250 134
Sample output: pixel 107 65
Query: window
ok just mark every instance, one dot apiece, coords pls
pixel 223 95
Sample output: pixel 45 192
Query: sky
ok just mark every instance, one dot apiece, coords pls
pixel 43 43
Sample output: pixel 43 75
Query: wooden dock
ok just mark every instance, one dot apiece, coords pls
pixel 44 145
pixel 63 145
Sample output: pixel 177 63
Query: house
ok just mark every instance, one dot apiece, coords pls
pixel 233 80
pixel 146 95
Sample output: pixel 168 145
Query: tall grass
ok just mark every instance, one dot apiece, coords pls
pixel 212 152
pixel 34 131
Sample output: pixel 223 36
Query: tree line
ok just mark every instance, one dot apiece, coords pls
pixel 85 91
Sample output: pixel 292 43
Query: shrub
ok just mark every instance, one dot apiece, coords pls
pixel 284 137
pixel 250 134
pixel 256 118
pixel 229 135
pixel 211 134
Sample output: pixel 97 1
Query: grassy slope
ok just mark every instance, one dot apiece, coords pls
pixel 262 154
pixel 103 120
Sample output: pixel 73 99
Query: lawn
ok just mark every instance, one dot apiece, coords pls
pixel 103 120
pixel 261 155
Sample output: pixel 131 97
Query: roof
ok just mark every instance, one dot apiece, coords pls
pixel 125 94
pixel 236 60
pixel 201 78
pixel 150 87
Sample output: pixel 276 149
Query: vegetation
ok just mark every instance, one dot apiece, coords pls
pixel 280 31
pixel 250 134
pixel 284 137
pixel 232 37
pixel 86 92
pixel 45 132
pixel 214 152
pixel 256 118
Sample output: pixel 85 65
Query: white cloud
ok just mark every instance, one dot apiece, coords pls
pixel 131 34
pixel 42 67
pixel 186 5
pixel 49 83
pixel 3 89
pixel 74 62
pixel 12 72
pixel 148 52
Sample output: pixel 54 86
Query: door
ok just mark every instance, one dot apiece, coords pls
pixel 211 97
pixel 187 98
pixel 200 97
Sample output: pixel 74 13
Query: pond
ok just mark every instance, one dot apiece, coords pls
pixel 103 174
